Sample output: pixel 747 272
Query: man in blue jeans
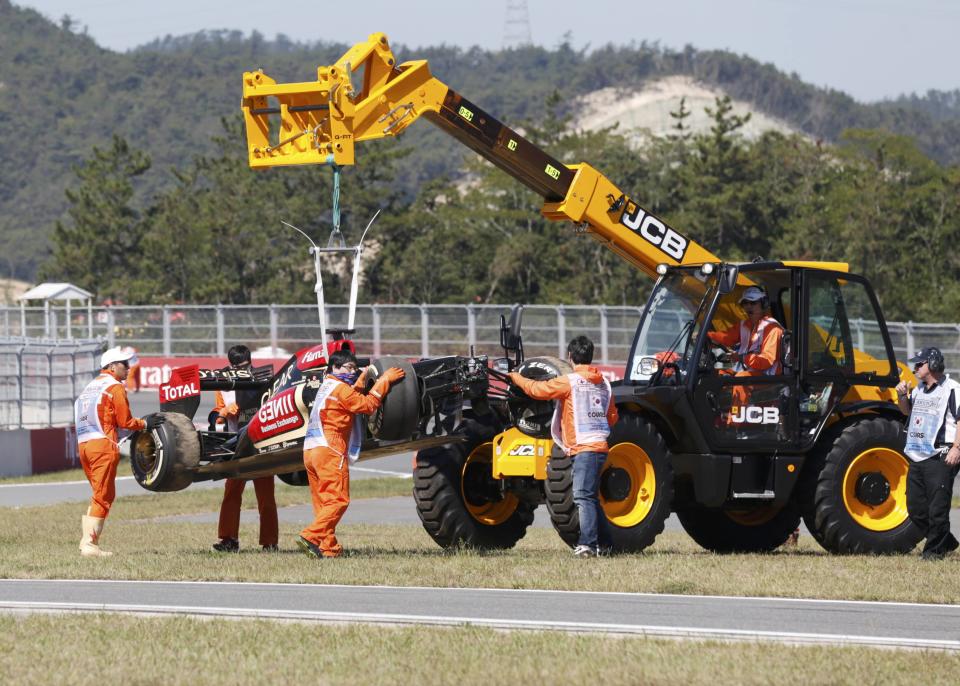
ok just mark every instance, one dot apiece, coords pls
pixel 582 419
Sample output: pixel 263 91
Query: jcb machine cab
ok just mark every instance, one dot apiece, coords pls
pixel 739 457
pixel 743 457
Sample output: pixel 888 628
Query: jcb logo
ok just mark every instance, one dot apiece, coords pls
pixel 755 415
pixel 522 451
pixel 654 231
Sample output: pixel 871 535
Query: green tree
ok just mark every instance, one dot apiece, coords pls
pixel 98 246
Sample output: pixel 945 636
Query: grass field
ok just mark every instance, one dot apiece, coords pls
pixel 41 542
pixel 75 649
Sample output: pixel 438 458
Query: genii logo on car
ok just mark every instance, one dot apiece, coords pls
pixel 276 416
pixel 184 382
pixel 654 230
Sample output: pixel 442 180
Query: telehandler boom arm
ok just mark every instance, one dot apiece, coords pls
pixel 320 122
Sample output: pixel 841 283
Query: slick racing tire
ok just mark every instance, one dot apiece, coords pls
pixel 636 487
pixel 458 500
pixel 165 459
pixel 853 492
pixel 399 413
pixel 298 478
pixel 757 530
pixel 535 416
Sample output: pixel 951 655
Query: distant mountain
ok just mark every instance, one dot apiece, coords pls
pixel 61 93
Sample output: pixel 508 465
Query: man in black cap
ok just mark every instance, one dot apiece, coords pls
pixel 933 446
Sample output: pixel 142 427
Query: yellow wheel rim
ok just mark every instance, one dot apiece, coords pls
pixel 892 512
pixel 633 509
pixel 489 514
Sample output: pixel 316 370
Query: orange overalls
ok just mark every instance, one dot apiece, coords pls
pixel 759 349
pixel 229 525
pixel 330 437
pixel 100 410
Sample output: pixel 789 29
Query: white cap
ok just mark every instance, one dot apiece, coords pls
pixel 114 355
pixel 752 295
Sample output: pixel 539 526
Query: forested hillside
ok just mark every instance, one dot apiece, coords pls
pixel 170 182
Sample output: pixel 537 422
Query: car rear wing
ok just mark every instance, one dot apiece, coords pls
pixel 181 392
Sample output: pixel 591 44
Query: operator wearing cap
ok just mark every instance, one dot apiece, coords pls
pixel 933 446
pixel 100 410
pixel 755 340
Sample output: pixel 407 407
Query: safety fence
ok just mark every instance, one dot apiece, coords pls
pixel 408 330
pixel 39 380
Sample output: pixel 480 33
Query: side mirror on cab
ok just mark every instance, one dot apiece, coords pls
pixel 510 339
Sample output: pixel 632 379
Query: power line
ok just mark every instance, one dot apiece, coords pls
pixel 516 25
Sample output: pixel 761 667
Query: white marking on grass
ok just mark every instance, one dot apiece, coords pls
pixel 642 630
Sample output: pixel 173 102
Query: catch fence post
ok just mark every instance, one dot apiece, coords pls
pixel 166 331
pixel 471 326
pixel 604 336
pixel 111 326
pixel 274 325
pixel 561 332
pixel 376 329
pixel 424 331
pixel 219 319
pixel 911 347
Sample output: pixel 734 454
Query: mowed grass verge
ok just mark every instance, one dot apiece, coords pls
pixel 70 649
pixel 41 542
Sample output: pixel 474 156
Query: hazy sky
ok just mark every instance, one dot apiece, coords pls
pixel 870 49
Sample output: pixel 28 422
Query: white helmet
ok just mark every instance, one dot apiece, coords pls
pixel 112 355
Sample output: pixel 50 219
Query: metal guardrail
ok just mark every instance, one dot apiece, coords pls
pixel 40 379
pixel 413 330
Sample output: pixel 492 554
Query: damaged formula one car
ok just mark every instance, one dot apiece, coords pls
pixel 428 408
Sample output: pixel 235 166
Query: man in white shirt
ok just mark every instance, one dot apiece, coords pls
pixel 933 446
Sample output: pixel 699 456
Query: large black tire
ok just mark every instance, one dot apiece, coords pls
pixel 399 413
pixel 843 484
pixel 758 530
pixel 638 463
pixel 295 478
pixel 459 502
pixel 535 416
pixel 164 459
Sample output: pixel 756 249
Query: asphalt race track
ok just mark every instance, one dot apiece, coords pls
pixel 932 627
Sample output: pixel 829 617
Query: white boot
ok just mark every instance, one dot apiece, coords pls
pixel 90 543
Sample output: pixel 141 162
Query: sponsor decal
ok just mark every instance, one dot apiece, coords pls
pixel 752 414
pixel 184 383
pixel 653 230
pixel 313 357
pixel 522 451
pixel 278 415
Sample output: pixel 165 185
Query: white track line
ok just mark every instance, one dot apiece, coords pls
pixel 405 475
pixel 507 624
pixel 57 483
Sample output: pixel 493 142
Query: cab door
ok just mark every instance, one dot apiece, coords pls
pixel 750 414
pixel 846 344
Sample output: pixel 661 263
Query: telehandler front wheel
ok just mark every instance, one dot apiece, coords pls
pixel 854 496
pixel 458 500
pixel 636 487
pixel 755 530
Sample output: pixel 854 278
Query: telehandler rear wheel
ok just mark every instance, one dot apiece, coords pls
pixel 636 487
pixel 854 496
pixel 757 530
pixel 458 500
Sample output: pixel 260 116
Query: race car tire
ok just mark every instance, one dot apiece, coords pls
pixel 636 487
pixel 295 478
pixel 459 503
pixel 399 413
pixel 164 459
pixel 760 530
pixel 535 416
